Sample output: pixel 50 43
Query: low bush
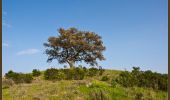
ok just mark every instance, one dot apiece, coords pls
pixel 36 72
pixel 10 74
pixel 27 78
pixel 19 77
pixel 22 78
pixel 92 71
pixel 147 79
pixel 77 73
pixel 105 78
pixel 53 74
pixel 125 79
pixel 113 83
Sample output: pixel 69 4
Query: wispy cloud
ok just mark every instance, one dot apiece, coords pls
pixel 28 52
pixel 5 44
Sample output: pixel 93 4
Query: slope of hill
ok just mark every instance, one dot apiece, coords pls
pixel 90 88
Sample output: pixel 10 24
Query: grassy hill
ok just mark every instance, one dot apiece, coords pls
pixel 90 88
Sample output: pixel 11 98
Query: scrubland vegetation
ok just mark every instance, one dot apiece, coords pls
pixel 81 83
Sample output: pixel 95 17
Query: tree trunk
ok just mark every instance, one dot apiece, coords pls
pixel 71 64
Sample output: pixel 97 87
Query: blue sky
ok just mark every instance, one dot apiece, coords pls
pixel 134 32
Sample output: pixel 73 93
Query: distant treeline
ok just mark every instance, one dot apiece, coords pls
pixel 136 77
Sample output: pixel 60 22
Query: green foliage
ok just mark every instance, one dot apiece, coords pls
pixel 10 74
pixel 105 78
pixel 135 75
pixel 147 79
pixel 125 79
pixel 77 73
pixel 113 83
pixel 53 74
pixel 85 69
pixel 27 78
pixel 92 71
pixel 36 72
pixel 19 77
pixel 154 80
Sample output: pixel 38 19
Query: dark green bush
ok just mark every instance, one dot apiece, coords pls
pixel 125 79
pixel 135 75
pixel 10 74
pixel 19 77
pixel 36 72
pixel 69 73
pixel 27 78
pixel 74 73
pixel 79 73
pixel 53 74
pixel 92 71
pixel 147 79
pixel 105 78
pixel 22 78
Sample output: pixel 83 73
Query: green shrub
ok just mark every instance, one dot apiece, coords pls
pixel 136 73
pixel 10 74
pixel 69 73
pixel 19 77
pixel 147 79
pixel 92 71
pixel 53 74
pixel 105 78
pixel 60 75
pixel 27 78
pixel 36 72
pixel 113 83
pixel 125 79
pixel 79 73
pixel 74 73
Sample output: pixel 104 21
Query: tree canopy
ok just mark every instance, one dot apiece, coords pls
pixel 73 45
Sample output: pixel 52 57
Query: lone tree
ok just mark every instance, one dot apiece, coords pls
pixel 73 46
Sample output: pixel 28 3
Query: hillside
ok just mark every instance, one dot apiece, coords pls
pixel 90 88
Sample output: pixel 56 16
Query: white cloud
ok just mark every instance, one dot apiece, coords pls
pixel 28 52
pixel 5 44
